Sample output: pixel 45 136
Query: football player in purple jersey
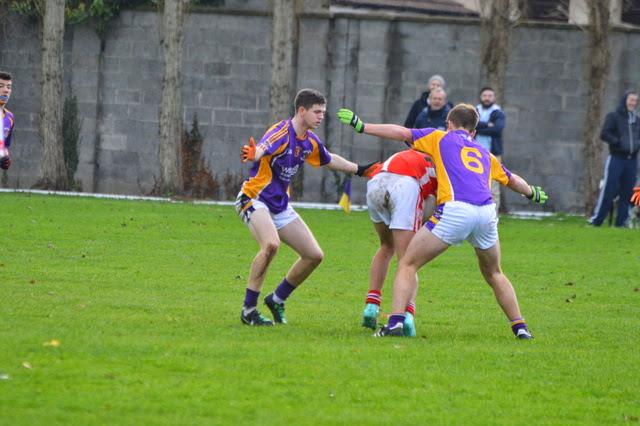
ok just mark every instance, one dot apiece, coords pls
pixel 263 201
pixel 6 120
pixel 465 210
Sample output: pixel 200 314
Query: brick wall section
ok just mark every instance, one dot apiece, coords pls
pixel 377 64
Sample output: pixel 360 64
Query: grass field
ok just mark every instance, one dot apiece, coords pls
pixel 128 312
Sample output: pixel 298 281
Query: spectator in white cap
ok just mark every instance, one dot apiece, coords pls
pixel 435 80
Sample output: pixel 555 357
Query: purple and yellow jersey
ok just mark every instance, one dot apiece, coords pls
pixel 7 127
pixel 284 153
pixel 464 168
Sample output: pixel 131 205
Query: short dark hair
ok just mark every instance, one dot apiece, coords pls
pixel 5 75
pixel 464 116
pixel 307 98
pixel 486 88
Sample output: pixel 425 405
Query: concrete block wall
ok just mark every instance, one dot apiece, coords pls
pixel 374 63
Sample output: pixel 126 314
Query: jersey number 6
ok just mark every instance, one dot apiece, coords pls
pixel 470 157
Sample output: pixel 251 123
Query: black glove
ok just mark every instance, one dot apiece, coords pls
pixel 367 169
pixel 5 162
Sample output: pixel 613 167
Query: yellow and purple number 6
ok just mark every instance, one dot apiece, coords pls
pixel 470 159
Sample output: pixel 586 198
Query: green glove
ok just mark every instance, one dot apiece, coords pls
pixel 348 117
pixel 537 195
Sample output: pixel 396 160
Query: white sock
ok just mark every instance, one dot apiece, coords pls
pixel 246 311
pixel 277 299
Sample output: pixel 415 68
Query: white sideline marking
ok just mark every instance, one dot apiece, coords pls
pixel 294 204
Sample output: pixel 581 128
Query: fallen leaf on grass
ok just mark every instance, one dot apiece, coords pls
pixel 423 336
pixel 51 293
pixel 53 343
pixel 4 377
pixel 635 289
pixel 331 395
pixel 238 277
pixel 568 300
pixel 32 282
pixel 569 284
pixel 25 364
pixel 630 418
pixel 399 346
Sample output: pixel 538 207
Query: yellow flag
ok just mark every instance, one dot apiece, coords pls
pixel 345 200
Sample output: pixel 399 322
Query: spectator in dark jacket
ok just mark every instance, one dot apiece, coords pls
pixel 621 130
pixel 435 114
pixel 434 81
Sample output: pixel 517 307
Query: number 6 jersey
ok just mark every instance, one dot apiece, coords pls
pixel 463 167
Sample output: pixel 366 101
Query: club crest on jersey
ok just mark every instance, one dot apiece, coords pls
pixel 265 144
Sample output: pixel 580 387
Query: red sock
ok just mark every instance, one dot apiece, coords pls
pixel 374 297
pixel 411 308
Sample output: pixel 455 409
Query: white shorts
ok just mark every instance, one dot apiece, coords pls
pixel 395 201
pixel 245 206
pixel 455 221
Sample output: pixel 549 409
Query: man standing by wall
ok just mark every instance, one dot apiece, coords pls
pixel 489 131
pixel 435 114
pixel 434 81
pixel 621 130
pixel 7 120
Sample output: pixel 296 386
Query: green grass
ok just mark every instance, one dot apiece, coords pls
pixel 144 299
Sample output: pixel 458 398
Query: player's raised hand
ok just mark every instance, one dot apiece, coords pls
pixel 249 151
pixel 635 198
pixel 537 195
pixel 366 170
pixel 349 117
pixel 5 162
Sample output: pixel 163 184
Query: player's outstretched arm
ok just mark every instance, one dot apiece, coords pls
pixel 635 198
pixel 251 152
pixel 387 131
pixel 343 165
pixel 534 193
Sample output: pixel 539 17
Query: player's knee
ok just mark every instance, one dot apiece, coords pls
pixel 271 249
pixel 388 247
pixel 317 257
pixel 407 265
